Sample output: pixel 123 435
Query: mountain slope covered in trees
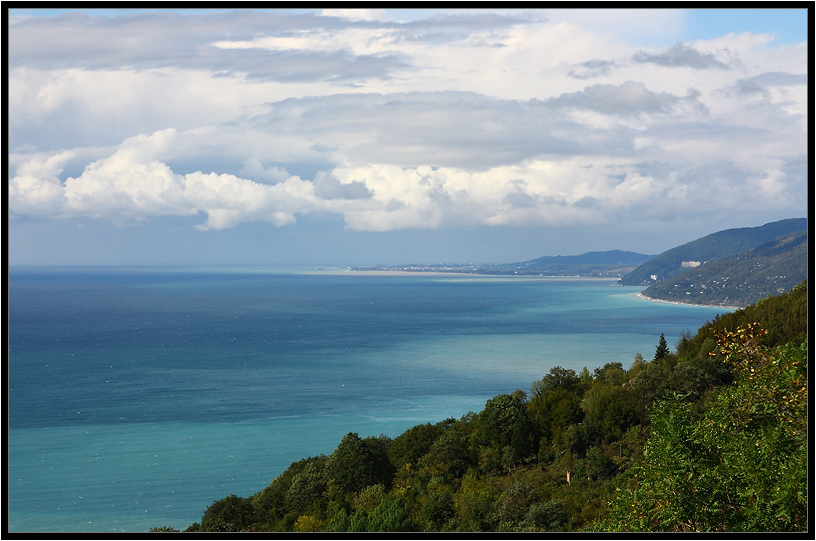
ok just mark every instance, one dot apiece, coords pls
pixel 709 248
pixel 710 437
pixel 589 264
pixel 738 280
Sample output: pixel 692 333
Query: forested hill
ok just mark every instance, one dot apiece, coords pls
pixel 742 279
pixel 588 264
pixel 710 437
pixel 607 264
pixel 706 249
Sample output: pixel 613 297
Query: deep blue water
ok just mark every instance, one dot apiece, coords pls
pixel 137 397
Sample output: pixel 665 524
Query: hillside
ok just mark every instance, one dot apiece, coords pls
pixel 706 249
pixel 692 440
pixel 611 263
pixel 742 279
pixel 591 263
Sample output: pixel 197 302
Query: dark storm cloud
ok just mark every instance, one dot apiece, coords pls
pixel 681 56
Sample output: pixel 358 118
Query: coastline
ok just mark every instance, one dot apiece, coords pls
pixel 478 275
pixel 642 296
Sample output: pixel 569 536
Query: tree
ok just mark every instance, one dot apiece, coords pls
pixel 610 410
pixel 522 441
pixel 554 410
pixel 390 515
pixel 451 454
pixel 307 523
pixel 514 504
pixel 610 373
pixel 473 503
pixel 412 444
pixel 163 529
pixel 271 503
pixel 557 378
pixel 548 516
pixel 339 522
pixel 599 464
pixel 495 424
pixel 230 514
pixel 359 462
pixel 662 348
pixel 742 466
pixel 307 486
pixel 436 505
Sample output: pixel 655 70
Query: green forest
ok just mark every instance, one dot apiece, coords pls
pixel 711 436
pixel 741 279
pixel 729 242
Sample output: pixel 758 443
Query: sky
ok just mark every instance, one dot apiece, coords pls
pixel 363 137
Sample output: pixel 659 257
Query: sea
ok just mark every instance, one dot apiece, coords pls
pixel 136 397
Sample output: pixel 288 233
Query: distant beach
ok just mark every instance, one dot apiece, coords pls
pixel 642 296
pixel 384 272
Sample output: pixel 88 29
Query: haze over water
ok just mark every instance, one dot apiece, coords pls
pixel 139 396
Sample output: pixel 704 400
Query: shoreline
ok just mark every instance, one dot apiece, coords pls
pixel 384 272
pixel 642 296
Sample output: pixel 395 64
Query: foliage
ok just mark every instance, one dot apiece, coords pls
pixel 784 319
pixel 557 378
pixel 712 436
pixel 414 443
pixel 741 279
pixel 162 529
pixel 742 466
pixel 231 514
pixel 514 504
pixel 711 247
pixel 662 348
pixel 359 462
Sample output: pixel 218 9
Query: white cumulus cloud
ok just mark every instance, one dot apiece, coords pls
pixel 448 118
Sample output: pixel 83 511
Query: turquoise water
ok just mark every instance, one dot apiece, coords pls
pixel 137 397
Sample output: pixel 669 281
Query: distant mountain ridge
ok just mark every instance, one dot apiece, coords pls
pixel 610 257
pixel 733 267
pixel 607 264
pixel 709 248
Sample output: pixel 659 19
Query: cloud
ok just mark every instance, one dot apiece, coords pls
pixel 328 187
pixel 681 56
pixel 460 129
pixel 592 68
pixel 778 78
pixel 764 83
pixel 627 99
pixel 444 119
pixel 36 190
pixel 130 186
pixel 356 14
